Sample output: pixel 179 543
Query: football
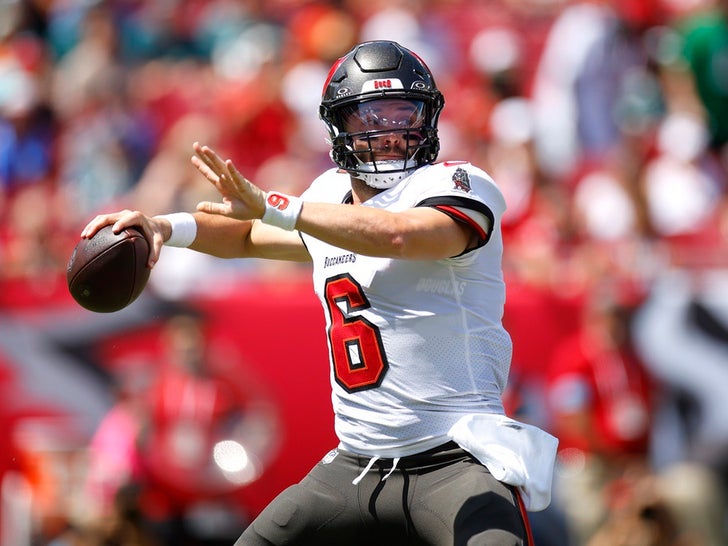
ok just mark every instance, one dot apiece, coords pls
pixel 108 271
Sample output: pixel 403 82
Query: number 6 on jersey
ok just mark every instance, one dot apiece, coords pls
pixel 356 344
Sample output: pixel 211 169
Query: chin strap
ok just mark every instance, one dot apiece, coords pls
pixel 382 180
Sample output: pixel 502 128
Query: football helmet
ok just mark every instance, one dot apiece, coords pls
pixel 380 105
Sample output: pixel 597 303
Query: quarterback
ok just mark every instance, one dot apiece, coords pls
pixel 406 261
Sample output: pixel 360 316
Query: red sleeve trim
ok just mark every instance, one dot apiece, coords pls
pixel 460 215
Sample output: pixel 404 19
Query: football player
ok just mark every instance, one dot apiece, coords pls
pixel 406 257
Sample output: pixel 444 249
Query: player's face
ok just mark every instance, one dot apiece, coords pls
pixel 385 125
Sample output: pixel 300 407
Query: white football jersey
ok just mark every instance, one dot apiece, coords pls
pixel 414 345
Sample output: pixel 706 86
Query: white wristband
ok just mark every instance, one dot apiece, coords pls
pixel 282 210
pixel 184 229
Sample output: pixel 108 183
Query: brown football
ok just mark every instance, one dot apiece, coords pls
pixel 108 271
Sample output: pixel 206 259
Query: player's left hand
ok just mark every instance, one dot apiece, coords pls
pixel 241 198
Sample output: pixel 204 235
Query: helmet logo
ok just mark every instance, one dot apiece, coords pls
pixel 343 91
pixel 377 85
pixel 419 85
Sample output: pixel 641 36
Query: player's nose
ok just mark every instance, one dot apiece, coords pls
pixel 390 141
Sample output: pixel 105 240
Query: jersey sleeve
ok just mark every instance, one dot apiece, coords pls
pixel 478 218
pixel 466 194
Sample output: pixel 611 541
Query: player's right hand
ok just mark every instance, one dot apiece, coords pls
pixel 156 229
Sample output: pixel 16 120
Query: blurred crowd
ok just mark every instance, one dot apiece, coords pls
pixel 605 123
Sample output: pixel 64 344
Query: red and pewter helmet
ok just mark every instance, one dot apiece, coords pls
pixel 372 71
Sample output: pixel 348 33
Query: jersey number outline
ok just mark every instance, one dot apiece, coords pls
pixel 357 351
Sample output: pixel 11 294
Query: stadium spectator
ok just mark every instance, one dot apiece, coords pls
pixel 599 397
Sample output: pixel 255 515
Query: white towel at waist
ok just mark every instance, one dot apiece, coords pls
pixel 515 453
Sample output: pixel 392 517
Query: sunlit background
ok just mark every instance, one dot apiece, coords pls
pixel 175 420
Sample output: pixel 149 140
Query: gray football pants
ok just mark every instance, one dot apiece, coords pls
pixel 442 497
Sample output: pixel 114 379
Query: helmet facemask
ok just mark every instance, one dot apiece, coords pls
pixel 381 141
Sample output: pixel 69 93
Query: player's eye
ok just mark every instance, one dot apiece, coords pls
pixel 400 119
pixel 384 114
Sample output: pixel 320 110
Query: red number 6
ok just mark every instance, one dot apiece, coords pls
pixel 356 344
